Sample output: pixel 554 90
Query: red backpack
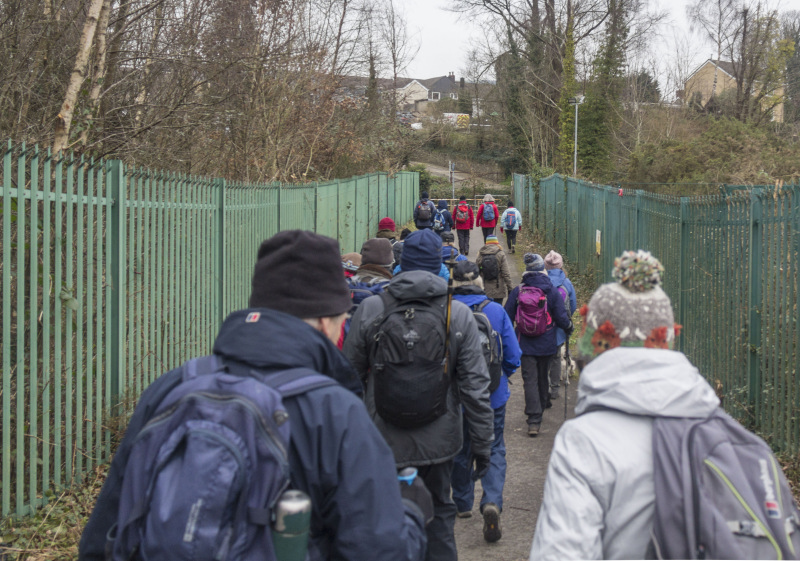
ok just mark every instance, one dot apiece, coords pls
pixel 462 213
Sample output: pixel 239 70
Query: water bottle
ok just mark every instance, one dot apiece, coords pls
pixel 407 475
pixel 290 526
pixel 542 301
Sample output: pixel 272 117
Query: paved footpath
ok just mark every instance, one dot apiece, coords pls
pixel 527 463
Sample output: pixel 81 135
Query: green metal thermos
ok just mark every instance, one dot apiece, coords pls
pixel 291 521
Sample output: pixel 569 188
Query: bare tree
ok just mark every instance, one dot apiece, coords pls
pixel 64 118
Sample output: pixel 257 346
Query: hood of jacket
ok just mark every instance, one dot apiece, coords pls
pixel 449 252
pixel 557 277
pixel 417 284
pixel 387 234
pixel 647 382
pixel 442 205
pixel 471 299
pixel 278 341
pixel 491 249
pixel 537 279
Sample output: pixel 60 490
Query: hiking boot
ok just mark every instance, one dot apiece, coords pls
pixel 513 248
pixel 491 523
pixel 464 514
pixel 533 429
pixel 554 393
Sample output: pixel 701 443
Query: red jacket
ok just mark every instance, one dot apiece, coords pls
pixel 464 225
pixel 481 222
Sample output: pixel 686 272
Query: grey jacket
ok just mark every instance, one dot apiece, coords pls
pixel 502 286
pixel 442 439
pixel 599 495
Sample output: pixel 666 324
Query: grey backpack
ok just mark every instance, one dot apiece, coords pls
pixel 720 493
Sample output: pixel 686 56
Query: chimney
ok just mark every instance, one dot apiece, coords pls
pixel 452 77
pixel 461 83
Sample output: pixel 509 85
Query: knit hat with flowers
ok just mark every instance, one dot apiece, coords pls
pixel 632 312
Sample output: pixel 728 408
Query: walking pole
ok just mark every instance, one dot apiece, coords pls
pixel 450 263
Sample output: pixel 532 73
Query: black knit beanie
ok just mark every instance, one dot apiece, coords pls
pixel 300 273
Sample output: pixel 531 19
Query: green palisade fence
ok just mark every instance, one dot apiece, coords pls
pixel 113 275
pixel 731 271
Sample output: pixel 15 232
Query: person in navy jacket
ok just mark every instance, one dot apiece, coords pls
pixel 538 351
pixel 336 455
pixel 469 290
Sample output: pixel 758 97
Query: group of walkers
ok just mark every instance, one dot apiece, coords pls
pixel 282 446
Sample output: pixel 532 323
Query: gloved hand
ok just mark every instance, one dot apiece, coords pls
pixel 418 494
pixel 570 329
pixel 481 467
pixel 501 230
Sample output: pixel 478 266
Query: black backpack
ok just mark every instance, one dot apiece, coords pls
pixel 492 352
pixel 424 214
pixel 408 358
pixel 490 267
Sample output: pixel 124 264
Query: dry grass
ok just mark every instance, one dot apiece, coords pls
pixel 55 530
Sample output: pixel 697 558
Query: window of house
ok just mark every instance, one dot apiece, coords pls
pixel 453 96
pixel 435 96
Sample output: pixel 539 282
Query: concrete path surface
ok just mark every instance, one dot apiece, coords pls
pixel 527 463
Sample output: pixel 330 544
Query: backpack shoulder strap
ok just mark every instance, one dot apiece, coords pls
pixel 482 305
pixel 296 381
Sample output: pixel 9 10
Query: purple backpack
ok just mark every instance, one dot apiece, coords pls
pixel 532 315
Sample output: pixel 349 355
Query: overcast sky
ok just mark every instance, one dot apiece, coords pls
pixel 445 37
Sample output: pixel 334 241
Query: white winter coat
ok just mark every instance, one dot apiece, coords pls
pixel 599 497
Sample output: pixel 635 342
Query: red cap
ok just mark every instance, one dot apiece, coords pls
pixel 386 224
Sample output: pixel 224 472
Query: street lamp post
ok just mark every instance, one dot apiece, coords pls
pixel 576 101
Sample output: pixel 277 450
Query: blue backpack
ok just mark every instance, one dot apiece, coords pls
pixel 361 290
pixel 488 212
pixel 205 472
pixel 511 220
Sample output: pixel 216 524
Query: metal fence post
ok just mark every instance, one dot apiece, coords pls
pixel 638 238
pixel 754 297
pixel 684 280
pixel 118 259
pixel 221 280
pixel 279 206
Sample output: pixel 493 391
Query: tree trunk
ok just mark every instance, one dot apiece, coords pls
pixel 99 73
pixel 64 118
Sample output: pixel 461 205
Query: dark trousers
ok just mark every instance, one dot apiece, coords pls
pixel 498 300
pixel 494 480
pixel 463 241
pixel 487 232
pixel 511 238
pixel 536 386
pixel 441 531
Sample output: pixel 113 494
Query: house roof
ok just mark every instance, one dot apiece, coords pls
pixel 725 65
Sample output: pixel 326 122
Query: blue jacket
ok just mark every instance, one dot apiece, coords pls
pixel 544 344
pixel 448 218
pixel 448 251
pixel 336 454
pixel 443 272
pixel 507 338
pixel 559 278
